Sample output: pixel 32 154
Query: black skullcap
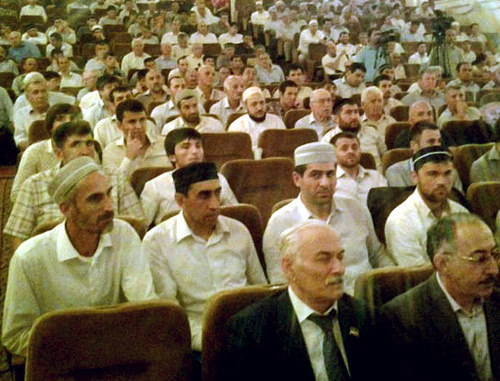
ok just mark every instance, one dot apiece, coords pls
pixel 338 103
pixel 193 173
pixel 435 154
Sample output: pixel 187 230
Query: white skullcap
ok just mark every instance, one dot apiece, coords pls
pixel 316 152
pixel 185 94
pixel 69 175
pixel 258 2
pixel 251 91
pixel 34 76
pixel 313 22
pixel 495 68
pixel 174 73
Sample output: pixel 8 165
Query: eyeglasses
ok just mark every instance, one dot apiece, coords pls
pixel 483 258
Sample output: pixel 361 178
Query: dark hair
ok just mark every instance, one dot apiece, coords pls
pixel 118 89
pixel 105 79
pixel 132 105
pixel 356 66
pixel 148 60
pixel 56 36
pixel 48 75
pixel 65 130
pixel 300 169
pixel 381 78
pixel 181 58
pixel 56 51
pixel 339 103
pixel 141 74
pixel 444 232
pixel 285 84
pixel 431 155
pixel 177 136
pixel 291 67
pixel 343 135
pixel 419 127
pixel 460 64
pixel 59 110
pixel 207 57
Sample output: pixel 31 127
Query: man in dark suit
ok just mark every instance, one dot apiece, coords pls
pixel 448 328
pixel 281 338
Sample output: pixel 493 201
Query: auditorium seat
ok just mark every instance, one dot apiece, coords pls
pixel 484 199
pixel 282 143
pixel 377 287
pixel 463 132
pixel 37 132
pixel 367 161
pixel 223 147
pixel 400 113
pixel 219 308
pixel 133 341
pixel 141 176
pixel 292 116
pixel 261 182
pixel 232 117
pixel 392 131
pixel 394 156
pixel 464 156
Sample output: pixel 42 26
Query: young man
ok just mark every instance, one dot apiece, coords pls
pixel 183 146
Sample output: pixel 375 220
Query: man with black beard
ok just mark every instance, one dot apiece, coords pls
pixel 187 103
pixel 257 119
pixel 346 116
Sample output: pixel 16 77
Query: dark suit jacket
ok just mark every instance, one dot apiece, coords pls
pixel 424 338
pixel 266 342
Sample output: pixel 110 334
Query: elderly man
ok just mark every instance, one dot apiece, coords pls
pixel 347 119
pixel 68 78
pixel 183 248
pixel 89 78
pixel 161 113
pixel 139 146
pixel 406 226
pixel 457 108
pixel 202 36
pixel 487 167
pixel 320 119
pixel 134 59
pixel 314 174
pixel 447 327
pixel 312 330
pixel 183 146
pixel 418 111
pixel 352 82
pixel 353 180
pixel 84 261
pixel 423 134
pixel 257 119
pixel 21 49
pixel 155 83
pixel 309 36
pixel 267 72
pixel 231 103
pixel 205 88
pixel 426 92
pixel 372 100
pixel 188 105
pixel 34 205
pixel 166 60
pixel 38 105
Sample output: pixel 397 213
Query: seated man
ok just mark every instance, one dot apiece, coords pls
pixel 288 99
pixel 406 226
pixel 312 330
pixel 353 180
pixel 231 103
pixel 427 91
pixel 257 118
pixel 487 167
pixel 423 134
pixel 372 101
pixel 320 119
pixel 34 206
pixel 384 83
pixel 187 102
pixel 347 118
pixel 314 174
pixel 198 252
pixel 464 78
pixel 139 146
pixel 84 261
pixel 457 108
pixel 447 327
pixel 352 82
pixel 183 146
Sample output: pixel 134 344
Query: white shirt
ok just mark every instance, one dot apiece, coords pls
pixel 39 39
pixel 169 38
pixel 198 38
pixel 33 10
pixel 223 110
pixel 314 336
pixel 207 124
pixel 358 187
pixel 96 113
pixel 327 59
pixel 158 199
pixel 306 38
pixel 47 274
pixel 349 218
pixel 130 61
pixel 370 139
pixel 380 125
pixel 345 90
pixel 54 97
pixel 474 328
pixel 260 18
pixel 22 122
pixel 209 18
pixel 106 131
pixel 71 80
pixel 309 121
pixel 113 156
pixel 89 99
pixel 406 229
pixel 66 48
pixel 416 58
pixel 189 269
pixel 226 38
pixel 246 124
pixel 446 116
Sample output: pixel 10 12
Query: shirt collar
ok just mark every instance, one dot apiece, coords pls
pixel 422 206
pixel 494 154
pixel 302 310
pixel 66 250
pixel 476 308
pixel 183 230
pixel 341 172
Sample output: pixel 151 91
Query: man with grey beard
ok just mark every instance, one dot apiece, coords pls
pixel 312 330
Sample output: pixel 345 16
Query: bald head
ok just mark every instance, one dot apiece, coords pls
pixel 420 111
pixel 206 76
pixel 233 87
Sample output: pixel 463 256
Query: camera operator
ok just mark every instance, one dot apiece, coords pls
pixel 372 55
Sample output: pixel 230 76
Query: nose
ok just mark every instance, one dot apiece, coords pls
pixel 214 203
pixel 107 204
pixel 324 181
pixel 337 267
pixel 492 268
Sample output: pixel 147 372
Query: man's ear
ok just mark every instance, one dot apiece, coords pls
pixel 440 262
pixel 287 267
pixel 57 151
pixel 64 207
pixel 172 159
pixel 296 179
pixel 414 176
pixel 179 199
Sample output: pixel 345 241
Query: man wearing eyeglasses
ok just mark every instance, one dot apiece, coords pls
pixel 448 326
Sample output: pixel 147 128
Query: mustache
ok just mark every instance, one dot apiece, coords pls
pixel 336 280
pixel 106 216
pixel 488 281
